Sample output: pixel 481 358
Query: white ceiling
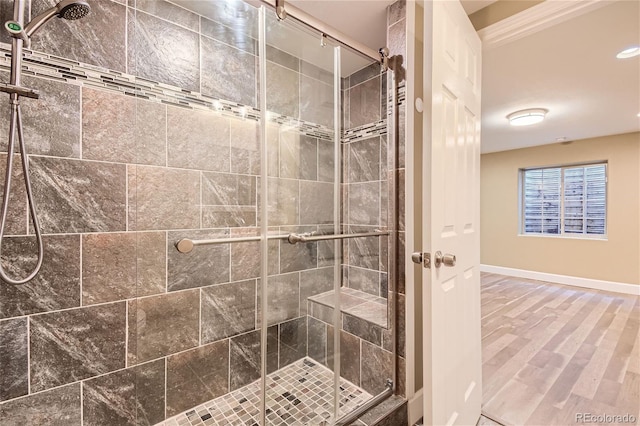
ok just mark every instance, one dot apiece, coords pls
pixel 571 70
pixel 363 20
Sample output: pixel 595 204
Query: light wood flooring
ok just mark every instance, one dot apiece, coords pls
pixel 551 351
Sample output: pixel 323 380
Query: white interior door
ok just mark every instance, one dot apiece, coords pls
pixel 451 150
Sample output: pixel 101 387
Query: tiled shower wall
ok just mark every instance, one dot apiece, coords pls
pixel 119 328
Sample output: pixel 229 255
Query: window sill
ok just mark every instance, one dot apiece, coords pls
pixel 568 237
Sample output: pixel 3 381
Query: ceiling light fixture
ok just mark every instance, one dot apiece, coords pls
pixel 527 117
pixel 629 52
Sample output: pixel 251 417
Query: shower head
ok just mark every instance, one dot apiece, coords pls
pixel 66 9
pixel 73 9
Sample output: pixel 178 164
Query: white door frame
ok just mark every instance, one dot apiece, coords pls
pixel 529 21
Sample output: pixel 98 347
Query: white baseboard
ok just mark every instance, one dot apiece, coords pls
pixel 615 287
pixel 415 408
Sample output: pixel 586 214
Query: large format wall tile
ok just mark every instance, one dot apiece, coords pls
pixel 364 203
pixel 228 309
pixel 316 203
pixel 326 161
pixel 97 39
pixel 170 12
pixel 298 156
pixel 122 129
pixel 293 341
pixel 316 101
pixel 161 198
pixel 313 282
pixel 282 58
pixel 298 257
pixel 349 356
pixel 318 73
pixel 14 364
pixel 377 365
pixel 131 397
pixel 198 140
pixel 364 74
pixel 245 359
pixel 283 198
pixel 397 39
pixel 283 298
pixel 73 345
pixel 283 90
pixel 224 189
pixel 204 266
pixel 57 285
pixel 245 257
pixel 17 212
pixel 245 146
pixel 79 196
pixel 122 266
pixel 364 160
pixel 51 123
pixel 317 340
pixel 365 252
pixel 364 280
pixel 162 325
pixel 229 200
pixel 228 73
pixel 57 407
pixel 163 52
pixel 364 103
pixel 197 376
pixel 239 37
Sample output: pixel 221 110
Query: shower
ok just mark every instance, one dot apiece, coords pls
pixel 21 37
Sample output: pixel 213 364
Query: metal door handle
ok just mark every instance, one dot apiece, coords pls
pixel 422 258
pixel 447 258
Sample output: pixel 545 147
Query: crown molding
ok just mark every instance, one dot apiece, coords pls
pixel 534 19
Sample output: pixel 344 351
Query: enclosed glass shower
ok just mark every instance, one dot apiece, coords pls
pixel 219 218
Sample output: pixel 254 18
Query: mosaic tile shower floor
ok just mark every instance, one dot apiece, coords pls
pixel 298 394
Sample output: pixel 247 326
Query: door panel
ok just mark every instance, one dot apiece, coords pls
pixel 451 216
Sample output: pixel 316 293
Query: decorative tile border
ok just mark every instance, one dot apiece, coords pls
pixel 56 68
pixel 370 130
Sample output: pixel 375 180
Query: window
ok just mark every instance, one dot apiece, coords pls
pixel 569 200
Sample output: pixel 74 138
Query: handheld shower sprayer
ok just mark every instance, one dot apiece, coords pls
pixel 66 9
pixel 21 37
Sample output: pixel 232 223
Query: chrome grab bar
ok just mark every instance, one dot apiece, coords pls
pixel 186 245
pixel 307 238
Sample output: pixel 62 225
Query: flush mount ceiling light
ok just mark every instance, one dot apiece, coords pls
pixel 629 53
pixel 527 117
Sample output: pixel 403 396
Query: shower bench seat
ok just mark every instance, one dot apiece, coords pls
pixel 355 303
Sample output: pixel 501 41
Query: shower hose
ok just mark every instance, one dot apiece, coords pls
pixel 16 125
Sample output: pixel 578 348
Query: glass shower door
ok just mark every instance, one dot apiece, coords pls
pixel 300 99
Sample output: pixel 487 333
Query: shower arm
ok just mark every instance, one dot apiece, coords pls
pixel 40 20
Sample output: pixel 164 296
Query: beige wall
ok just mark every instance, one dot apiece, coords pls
pixel 615 259
pixel 498 11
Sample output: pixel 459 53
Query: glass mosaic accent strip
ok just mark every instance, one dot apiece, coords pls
pixel 378 128
pixel 73 72
pixel 298 394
